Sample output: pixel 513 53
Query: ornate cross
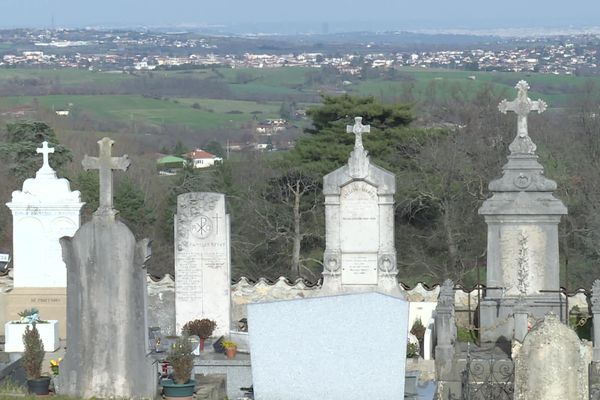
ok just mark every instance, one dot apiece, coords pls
pixel 45 150
pixel 105 163
pixel 522 106
pixel 358 129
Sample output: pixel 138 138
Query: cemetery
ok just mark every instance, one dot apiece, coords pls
pixel 80 291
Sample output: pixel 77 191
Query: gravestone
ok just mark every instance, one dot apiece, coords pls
pixel 360 253
pixel 522 217
pixel 43 212
pixel 202 261
pixel 106 301
pixel 551 364
pixel 349 346
pixel 445 329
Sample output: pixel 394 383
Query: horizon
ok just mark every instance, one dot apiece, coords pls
pixel 265 15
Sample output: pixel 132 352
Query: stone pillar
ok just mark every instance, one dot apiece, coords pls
pixel 43 212
pixel 521 321
pixel 360 252
pixel 522 217
pixel 552 364
pixel 445 330
pixel 595 300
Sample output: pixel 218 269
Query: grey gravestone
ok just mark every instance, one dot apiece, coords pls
pixel 106 301
pixel 360 253
pixel 445 329
pixel 202 262
pixel 522 217
pixel 551 364
pixel 595 300
pixel 350 346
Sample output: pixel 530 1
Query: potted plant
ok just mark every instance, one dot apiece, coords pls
pixel 182 361
pixel 203 328
pixel 14 330
pixel 412 350
pixel 418 329
pixel 32 359
pixel 54 365
pixel 230 348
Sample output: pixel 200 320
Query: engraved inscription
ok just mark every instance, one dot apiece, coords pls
pixel 359 269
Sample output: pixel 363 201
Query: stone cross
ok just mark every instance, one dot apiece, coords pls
pixel 358 129
pixel 105 163
pixel 45 150
pixel 522 106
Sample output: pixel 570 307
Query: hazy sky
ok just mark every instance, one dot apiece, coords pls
pixel 449 13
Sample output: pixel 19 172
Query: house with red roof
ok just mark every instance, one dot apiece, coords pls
pixel 202 159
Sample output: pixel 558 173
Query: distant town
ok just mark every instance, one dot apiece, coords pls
pixel 98 50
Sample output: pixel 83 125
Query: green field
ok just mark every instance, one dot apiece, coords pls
pixel 222 114
pixel 256 94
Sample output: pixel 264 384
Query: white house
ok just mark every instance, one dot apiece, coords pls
pixel 202 159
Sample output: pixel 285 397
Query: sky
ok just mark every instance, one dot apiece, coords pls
pixel 371 14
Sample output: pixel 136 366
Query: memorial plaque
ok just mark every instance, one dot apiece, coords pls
pixel 359 218
pixel 359 269
pixel 202 268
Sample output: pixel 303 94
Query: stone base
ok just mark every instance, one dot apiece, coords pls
pixel 51 302
pixel 497 321
pixel 48 332
pixel 332 285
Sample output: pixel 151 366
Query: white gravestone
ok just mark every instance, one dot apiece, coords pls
pixel 522 246
pixel 360 253
pixel 43 212
pixel 350 346
pixel 202 260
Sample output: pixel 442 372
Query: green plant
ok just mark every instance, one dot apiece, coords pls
pixel 202 328
pixel 465 335
pixel 28 312
pixel 228 344
pixel 10 387
pixel 412 350
pixel 181 359
pixel 418 329
pixel 34 353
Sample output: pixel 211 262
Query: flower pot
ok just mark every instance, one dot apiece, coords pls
pixel 177 390
pixel 230 352
pixel 202 343
pixel 40 386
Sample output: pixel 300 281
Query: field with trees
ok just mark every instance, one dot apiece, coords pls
pixel 440 132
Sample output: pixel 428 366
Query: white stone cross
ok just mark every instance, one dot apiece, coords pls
pixel 105 163
pixel 45 150
pixel 358 129
pixel 522 106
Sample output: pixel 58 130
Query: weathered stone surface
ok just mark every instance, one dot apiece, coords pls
pixel 522 217
pixel 202 261
pixel 350 346
pixel 161 304
pixel 360 253
pixel 552 364
pixel 106 303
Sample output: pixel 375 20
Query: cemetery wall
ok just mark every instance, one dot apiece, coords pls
pixel 161 298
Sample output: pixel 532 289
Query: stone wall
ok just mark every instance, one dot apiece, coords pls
pixel 161 298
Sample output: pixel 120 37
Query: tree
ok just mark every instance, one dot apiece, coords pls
pixel 328 146
pixel 215 148
pixel 19 148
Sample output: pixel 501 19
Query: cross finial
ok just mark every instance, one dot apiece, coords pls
pixel 522 106
pixel 45 150
pixel 358 129
pixel 105 163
